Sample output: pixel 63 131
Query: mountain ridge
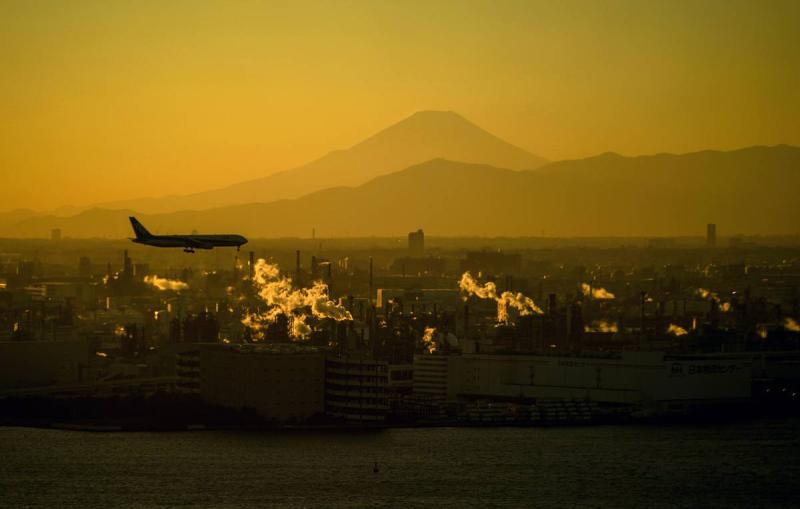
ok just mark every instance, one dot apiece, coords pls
pixel 749 190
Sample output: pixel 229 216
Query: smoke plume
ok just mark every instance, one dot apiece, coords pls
pixel 296 304
pixel 596 293
pixel 523 304
pixel 163 283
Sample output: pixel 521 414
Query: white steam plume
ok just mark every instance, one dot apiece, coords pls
pixel 725 307
pixel 163 283
pixel 676 330
pixel 601 326
pixel 791 324
pixel 295 303
pixel 469 285
pixel 596 293
pixel 428 339
pixel 523 304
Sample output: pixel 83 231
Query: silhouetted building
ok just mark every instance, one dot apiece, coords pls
pixel 55 234
pixel 355 389
pixel 280 382
pixel 127 267
pixel 408 265
pixel 85 266
pixel 140 270
pixel 416 243
pixel 492 262
pixel 711 234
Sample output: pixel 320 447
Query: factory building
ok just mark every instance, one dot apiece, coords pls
pixel 25 364
pixel 430 377
pixel 650 380
pixel 355 389
pixel 282 382
pixel 421 299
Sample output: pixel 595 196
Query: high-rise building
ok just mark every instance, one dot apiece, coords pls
pixel 55 234
pixel 416 243
pixel 85 266
pixel 711 234
pixel 127 266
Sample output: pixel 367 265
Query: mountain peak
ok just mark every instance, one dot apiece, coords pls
pixel 434 119
pixel 425 135
pixel 437 115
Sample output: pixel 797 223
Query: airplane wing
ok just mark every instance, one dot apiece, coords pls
pixel 196 244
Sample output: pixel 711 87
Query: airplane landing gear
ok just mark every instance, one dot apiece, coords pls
pixel 188 250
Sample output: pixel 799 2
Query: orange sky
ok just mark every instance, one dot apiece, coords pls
pixel 111 100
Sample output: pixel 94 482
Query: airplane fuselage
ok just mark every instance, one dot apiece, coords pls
pixel 193 241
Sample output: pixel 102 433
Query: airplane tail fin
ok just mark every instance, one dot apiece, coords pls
pixel 140 231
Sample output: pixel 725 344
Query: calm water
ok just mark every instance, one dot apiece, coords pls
pixel 753 464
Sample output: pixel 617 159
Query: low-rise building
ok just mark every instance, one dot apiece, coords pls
pixel 652 380
pixel 282 382
pixel 355 389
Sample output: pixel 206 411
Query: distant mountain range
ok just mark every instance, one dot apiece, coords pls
pixel 751 190
pixel 421 137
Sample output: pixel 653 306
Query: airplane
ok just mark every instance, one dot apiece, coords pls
pixel 188 242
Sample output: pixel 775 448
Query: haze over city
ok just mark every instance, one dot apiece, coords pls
pixel 348 254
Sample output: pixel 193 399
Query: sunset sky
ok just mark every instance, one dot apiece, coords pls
pixel 110 100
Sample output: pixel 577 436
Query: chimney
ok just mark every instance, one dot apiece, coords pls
pixel 466 321
pixel 313 267
pixel 297 267
pixel 370 279
pixel 644 297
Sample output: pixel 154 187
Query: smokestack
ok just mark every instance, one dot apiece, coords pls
pixel 641 325
pixel 466 321
pixel 370 279
pixel 313 267
pixel 551 304
pixel 252 268
pixel 329 279
pixel 297 267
